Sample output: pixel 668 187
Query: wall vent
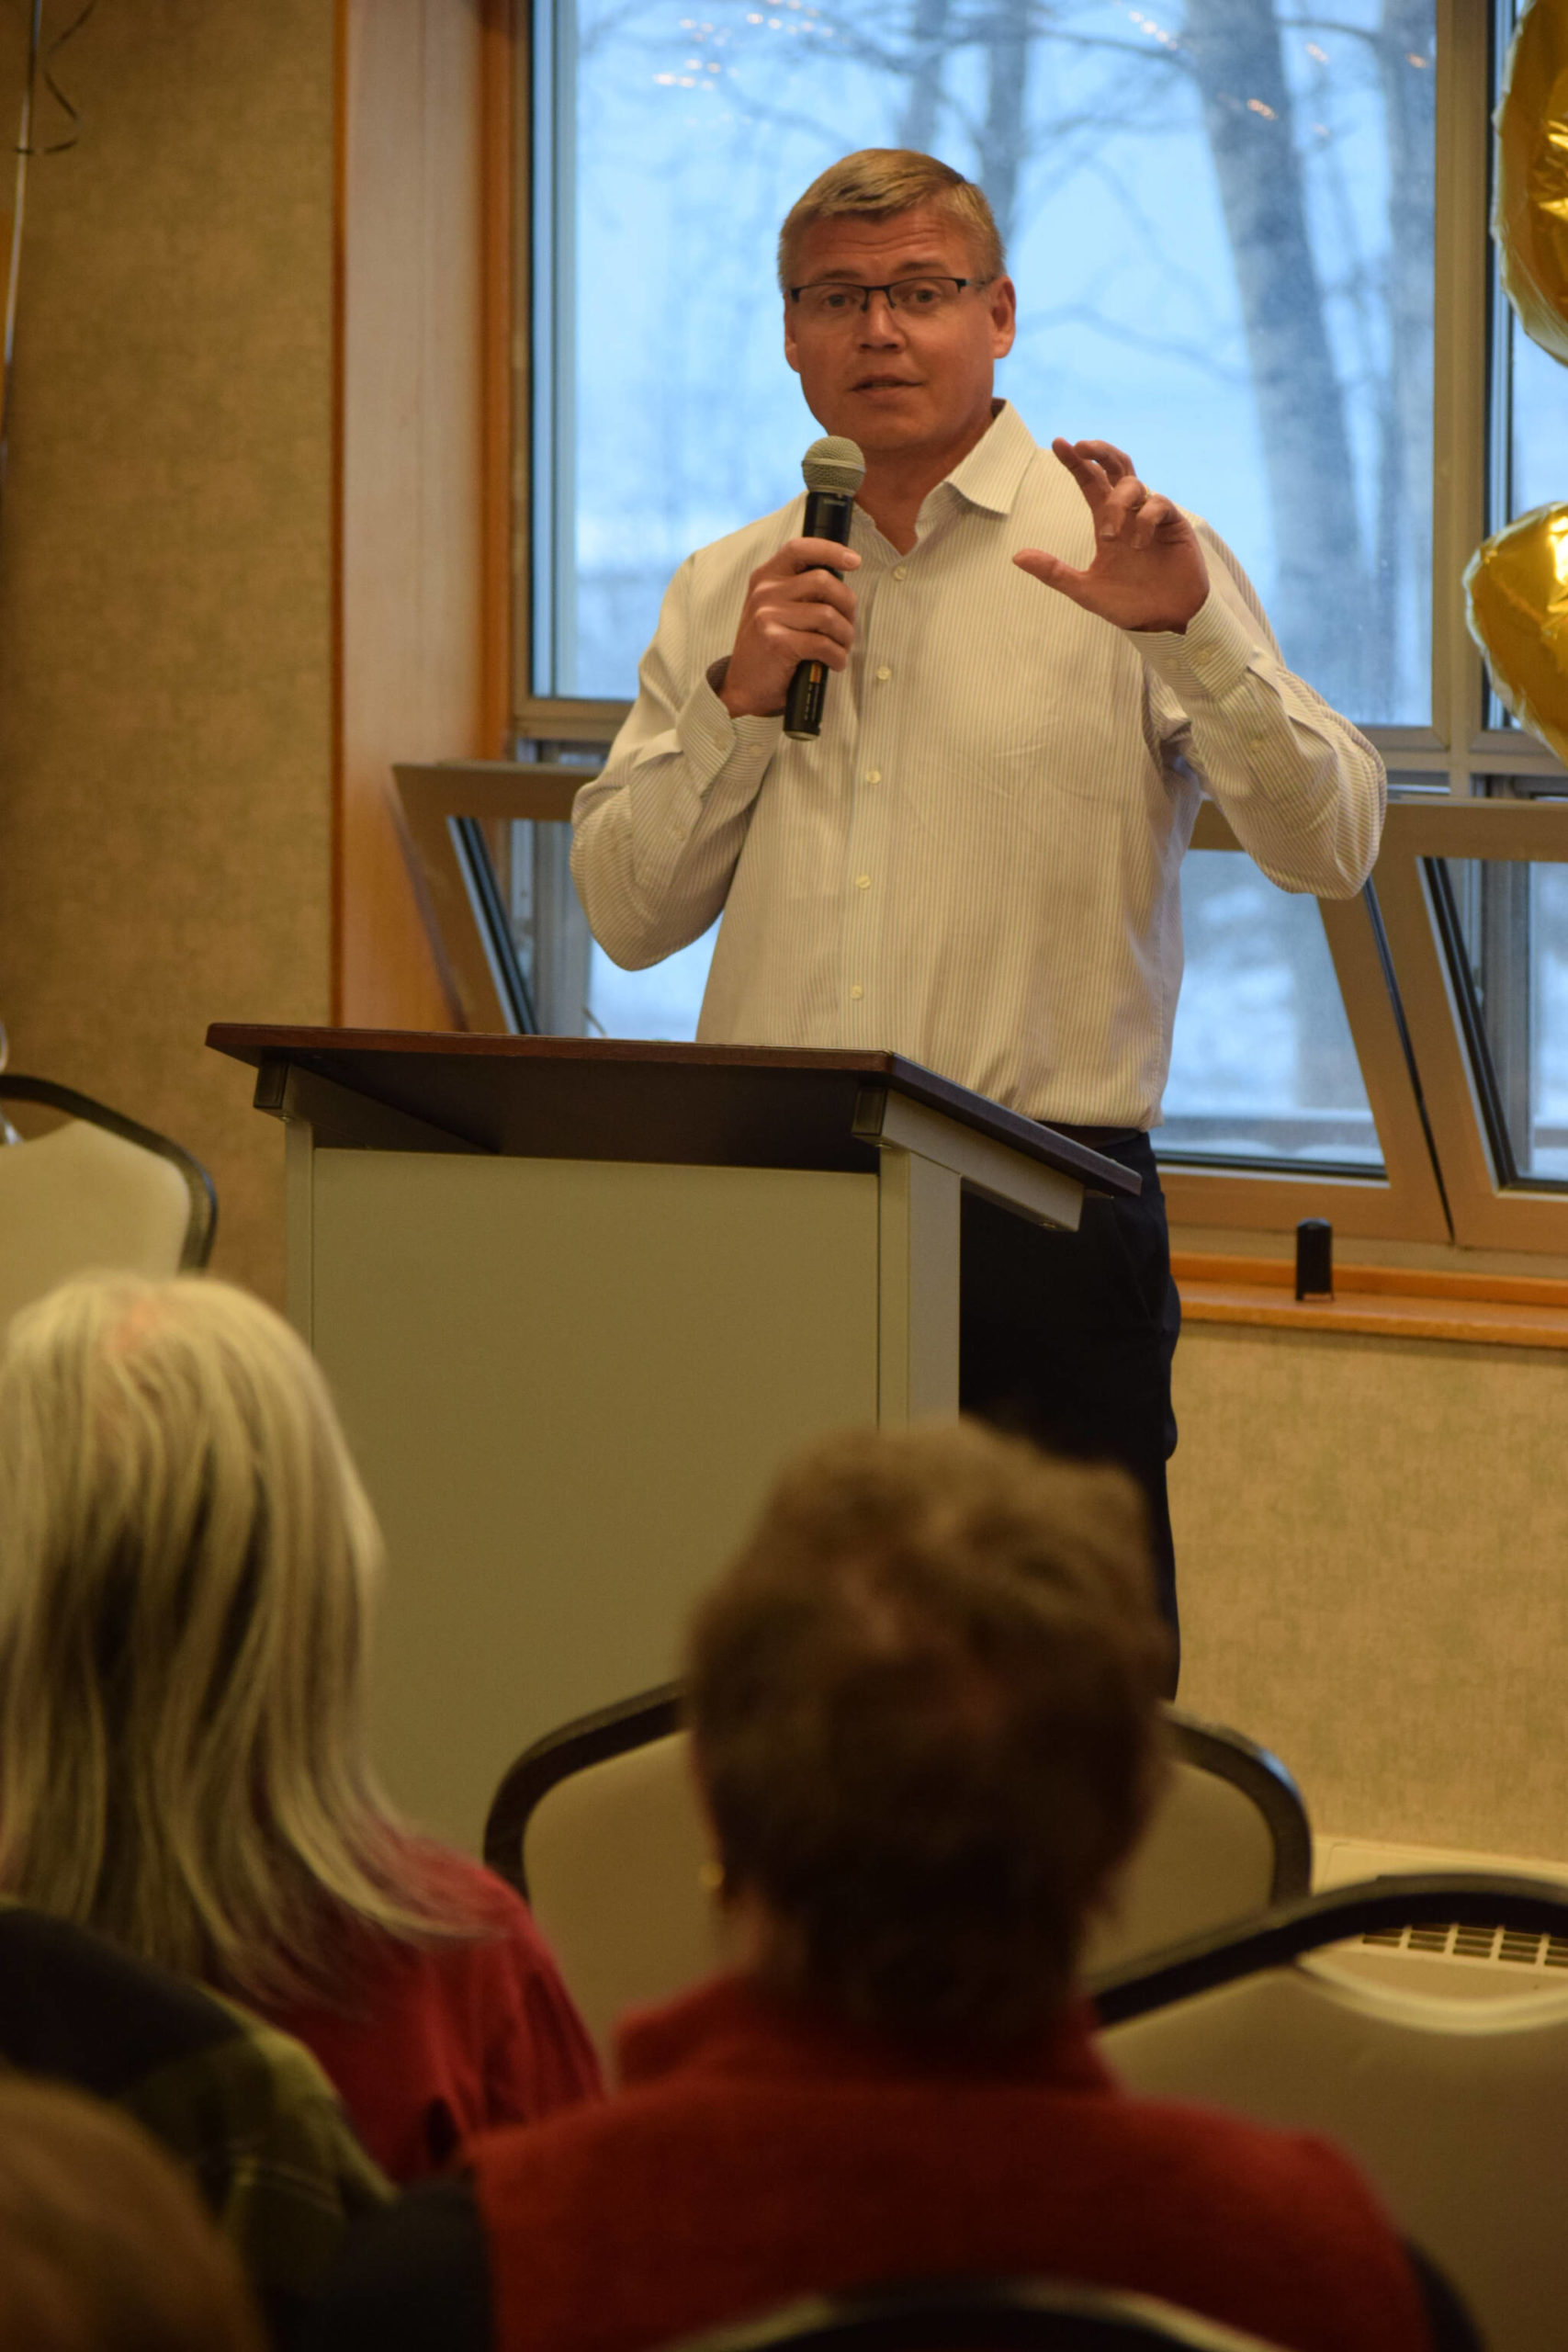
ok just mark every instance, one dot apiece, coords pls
pixel 1463 1960
pixel 1490 1945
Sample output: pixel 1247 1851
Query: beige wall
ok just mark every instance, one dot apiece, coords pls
pixel 165 576
pixel 1371 1538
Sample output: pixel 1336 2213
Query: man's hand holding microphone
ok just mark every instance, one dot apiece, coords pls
pixel 798 620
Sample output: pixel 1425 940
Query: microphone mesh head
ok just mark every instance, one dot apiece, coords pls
pixel 833 463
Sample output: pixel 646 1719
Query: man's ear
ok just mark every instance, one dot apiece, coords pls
pixel 1004 316
pixel 791 346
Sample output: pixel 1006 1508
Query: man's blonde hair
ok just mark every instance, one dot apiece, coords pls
pixel 881 182
pixel 187 1562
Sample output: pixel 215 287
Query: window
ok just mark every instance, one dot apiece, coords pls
pixel 1506 931
pixel 1262 1067
pixel 1220 219
pixel 1250 243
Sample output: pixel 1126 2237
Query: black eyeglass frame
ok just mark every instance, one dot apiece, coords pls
pixel 916 278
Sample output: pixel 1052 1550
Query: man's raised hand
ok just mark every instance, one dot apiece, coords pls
pixel 1148 570
pixel 794 612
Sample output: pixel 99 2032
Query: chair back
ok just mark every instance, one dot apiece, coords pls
pixel 1457 2110
pixel 1229 1836
pixel 976 2316
pixel 97 1191
pixel 598 1823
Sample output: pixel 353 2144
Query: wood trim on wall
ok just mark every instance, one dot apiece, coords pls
pixel 423 442
pixel 498 96
pixel 1387 1302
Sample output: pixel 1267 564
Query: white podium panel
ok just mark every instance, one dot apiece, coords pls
pixel 567 1384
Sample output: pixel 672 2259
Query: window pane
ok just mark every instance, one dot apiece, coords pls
pixel 1509 922
pixel 1546 1150
pixel 663 1002
pixel 1263 1067
pixel 548 928
pixel 545 965
pixel 1538 425
pixel 1221 232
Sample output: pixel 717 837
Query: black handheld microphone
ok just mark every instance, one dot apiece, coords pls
pixel 834 469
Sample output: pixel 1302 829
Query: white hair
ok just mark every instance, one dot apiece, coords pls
pixel 187 1563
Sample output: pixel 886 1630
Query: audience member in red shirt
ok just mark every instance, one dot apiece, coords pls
pixel 440 2042
pixel 924 1719
pixel 187 1565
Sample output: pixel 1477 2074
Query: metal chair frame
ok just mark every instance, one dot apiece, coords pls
pixel 975 2315
pixel 1533 1907
pixel 654 1714
pixel 1231 1756
pixel 587 1739
pixel 201 1229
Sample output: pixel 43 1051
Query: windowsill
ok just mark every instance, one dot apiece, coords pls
pixel 1391 1302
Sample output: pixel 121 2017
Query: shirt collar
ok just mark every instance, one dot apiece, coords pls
pixel 731 2025
pixel 989 476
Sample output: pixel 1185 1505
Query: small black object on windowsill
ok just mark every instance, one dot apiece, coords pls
pixel 1315 1258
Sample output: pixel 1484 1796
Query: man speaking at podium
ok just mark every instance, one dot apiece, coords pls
pixel 1038 666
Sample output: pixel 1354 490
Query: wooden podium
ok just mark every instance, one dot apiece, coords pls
pixel 576 1301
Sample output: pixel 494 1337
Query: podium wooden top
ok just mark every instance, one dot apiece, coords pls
pixel 575 1098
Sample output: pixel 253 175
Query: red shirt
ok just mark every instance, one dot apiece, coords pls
pixel 758 2153
pixel 443 2039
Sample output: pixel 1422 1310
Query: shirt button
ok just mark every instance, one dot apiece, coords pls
pixel 863 881
pixel 873 776
pixel 857 990
pixel 883 674
pixel 900 571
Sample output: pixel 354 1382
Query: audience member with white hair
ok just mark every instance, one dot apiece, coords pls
pixel 187 1563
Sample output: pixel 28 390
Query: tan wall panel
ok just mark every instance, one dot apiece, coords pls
pixel 165 549
pixel 1373 1538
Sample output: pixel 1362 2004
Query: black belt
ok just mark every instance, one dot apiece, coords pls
pixel 1094 1138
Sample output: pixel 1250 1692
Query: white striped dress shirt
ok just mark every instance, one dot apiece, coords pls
pixel 975 864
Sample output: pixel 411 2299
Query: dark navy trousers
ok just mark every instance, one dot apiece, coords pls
pixel 1068 1338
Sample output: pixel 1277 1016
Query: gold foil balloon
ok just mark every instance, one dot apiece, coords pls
pixel 1530 211
pixel 1515 587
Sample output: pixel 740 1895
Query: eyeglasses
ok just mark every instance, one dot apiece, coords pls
pixel 832 298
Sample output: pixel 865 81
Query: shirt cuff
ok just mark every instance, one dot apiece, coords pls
pixel 1210 656
pixel 711 740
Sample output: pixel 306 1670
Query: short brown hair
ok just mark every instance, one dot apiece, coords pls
pixel 924 1706
pixel 104 2244
pixel 881 182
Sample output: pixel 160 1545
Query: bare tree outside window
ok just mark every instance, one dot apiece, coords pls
pixel 1220 219
pixel 1228 212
